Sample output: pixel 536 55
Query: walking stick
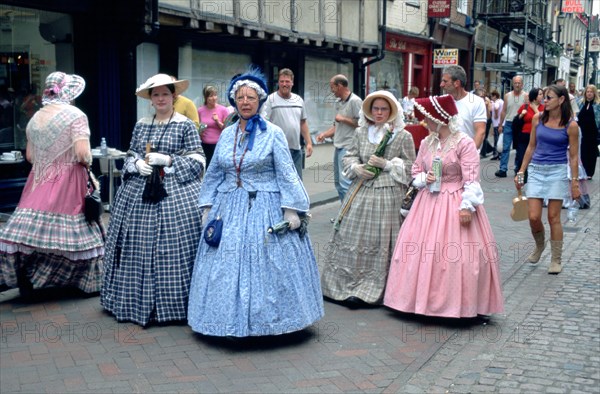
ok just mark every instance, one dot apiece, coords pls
pixel 380 151
pixel 346 207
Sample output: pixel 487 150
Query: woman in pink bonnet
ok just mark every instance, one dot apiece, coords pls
pixel 446 260
pixel 47 241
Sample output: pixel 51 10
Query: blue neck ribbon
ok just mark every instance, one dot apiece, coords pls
pixel 251 124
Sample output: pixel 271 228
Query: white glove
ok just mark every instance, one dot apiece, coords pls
pixel 158 159
pixel 205 216
pixel 291 216
pixel 362 173
pixel 143 168
pixel 379 162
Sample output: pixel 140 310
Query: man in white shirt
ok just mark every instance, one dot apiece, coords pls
pixel 286 110
pixel 512 102
pixel 471 108
pixel 497 104
pixel 408 103
pixel 574 105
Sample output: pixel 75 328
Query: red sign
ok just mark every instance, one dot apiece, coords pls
pixel 572 7
pixel 397 43
pixel 438 8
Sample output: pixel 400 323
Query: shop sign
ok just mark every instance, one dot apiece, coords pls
pixel 438 8
pixel 572 7
pixel 395 44
pixel 445 57
pixel 594 44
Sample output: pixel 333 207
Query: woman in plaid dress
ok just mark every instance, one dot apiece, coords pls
pixel 47 242
pixel 253 282
pixel 358 256
pixel 154 228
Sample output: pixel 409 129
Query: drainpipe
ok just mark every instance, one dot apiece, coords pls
pixel 155 24
pixel 381 54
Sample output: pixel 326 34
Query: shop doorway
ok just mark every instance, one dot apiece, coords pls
pixel 16 104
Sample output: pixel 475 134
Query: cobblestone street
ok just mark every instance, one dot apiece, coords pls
pixel 546 341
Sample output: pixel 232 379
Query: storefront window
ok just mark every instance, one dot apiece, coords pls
pixel 26 59
pixel 318 99
pixel 387 75
pixel 211 68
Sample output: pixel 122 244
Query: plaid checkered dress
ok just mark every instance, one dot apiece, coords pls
pixel 150 248
pixel 357 259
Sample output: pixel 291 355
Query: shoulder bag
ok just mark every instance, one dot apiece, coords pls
pixel 517 127
pixel 93 208
pixel 409 198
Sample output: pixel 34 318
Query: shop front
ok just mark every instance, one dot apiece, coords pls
pixel 38 38
pixel 449 35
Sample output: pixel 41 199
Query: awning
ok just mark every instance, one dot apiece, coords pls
pixel 506 67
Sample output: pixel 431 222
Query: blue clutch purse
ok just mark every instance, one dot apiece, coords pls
pixel 213 231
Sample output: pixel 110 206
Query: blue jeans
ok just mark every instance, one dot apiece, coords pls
pixel 496 135
pixel 521 148
pixel 341 182
pixel 506 146
pixel 297 159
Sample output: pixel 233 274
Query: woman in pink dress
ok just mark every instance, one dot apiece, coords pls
pixel 445 262
pixel 47 242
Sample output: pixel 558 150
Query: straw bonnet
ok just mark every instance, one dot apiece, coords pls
pixel 380 94
pixel 64 87
pixel 143 90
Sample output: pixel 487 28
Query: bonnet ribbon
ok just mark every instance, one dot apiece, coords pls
pixel 251 125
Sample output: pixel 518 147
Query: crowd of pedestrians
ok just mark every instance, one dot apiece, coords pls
pixel 225 247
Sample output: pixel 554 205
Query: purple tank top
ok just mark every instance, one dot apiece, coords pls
pixel 551 145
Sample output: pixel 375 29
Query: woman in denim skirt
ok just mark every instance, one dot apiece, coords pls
pixel 553 132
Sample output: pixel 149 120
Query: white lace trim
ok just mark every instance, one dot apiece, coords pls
pixel 434 144
pixel 454 121
pixel 251 84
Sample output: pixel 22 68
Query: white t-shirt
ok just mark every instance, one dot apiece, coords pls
pixel 287 114
pixel 497 109
pixel 471 109
pixel 408 105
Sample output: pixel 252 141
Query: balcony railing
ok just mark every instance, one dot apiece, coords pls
pixel 532 8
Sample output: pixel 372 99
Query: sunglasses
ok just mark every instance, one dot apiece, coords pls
pixel 548 98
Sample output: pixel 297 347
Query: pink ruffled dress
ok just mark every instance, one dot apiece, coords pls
pixel 440 267
pixel 47 237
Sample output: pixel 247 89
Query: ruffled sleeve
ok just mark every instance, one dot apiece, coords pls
pixel 401 167
pixel 292 191
pixel 418 171
pixel 472 194
pixel 189 162
pixel 129 163
pixel 80 128
pixel 352 158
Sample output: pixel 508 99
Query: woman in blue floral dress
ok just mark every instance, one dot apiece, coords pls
pixel 253 282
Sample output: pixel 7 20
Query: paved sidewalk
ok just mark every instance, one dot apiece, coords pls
pixel 548 339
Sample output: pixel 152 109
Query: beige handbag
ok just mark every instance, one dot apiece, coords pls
pixel 519 210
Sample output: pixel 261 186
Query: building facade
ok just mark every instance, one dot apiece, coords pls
pixel 117 45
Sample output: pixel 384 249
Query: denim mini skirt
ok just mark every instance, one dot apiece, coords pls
pixel 548 181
